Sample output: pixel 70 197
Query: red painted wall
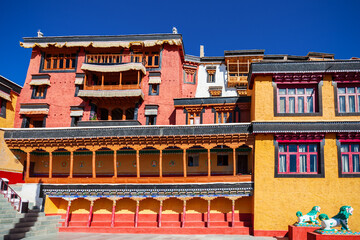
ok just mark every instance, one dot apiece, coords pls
pixel 13 177
pixel 170 87
pixel 60 95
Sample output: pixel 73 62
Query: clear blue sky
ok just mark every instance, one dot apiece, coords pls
pixel 280 27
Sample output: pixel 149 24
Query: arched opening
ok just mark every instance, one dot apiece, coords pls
pixel 116 114
pixel 39 163
pixel 104 162
pixel 149 162
pixel 61 163
pixel 130 114
pixel 196 161
pixel 126 162
pixel 222 160
pixel 104 114
pixel 82 163
pixel 172 162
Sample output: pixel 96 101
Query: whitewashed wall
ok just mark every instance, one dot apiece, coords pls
pixel 202 89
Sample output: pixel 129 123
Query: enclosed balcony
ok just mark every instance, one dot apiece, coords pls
pixel 112 81
pixel 238 65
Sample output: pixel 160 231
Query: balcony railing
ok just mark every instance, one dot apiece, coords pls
pixel 112 87
pixel 235 81
pixel 114 58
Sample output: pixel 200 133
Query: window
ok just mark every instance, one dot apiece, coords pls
pixel 194 118
pixel 33 122
pixel 151 120
pixel 39 92
pixel 211 74
pixel 59 61
pixel 348 99
pixel 153 89
pixel 189 75
pixel 3 108
pixel 75 120
pixel 296 100
pixel 350 158
pixel 224 117
pixel 222 160
pixel 298 158
pixel 150 59
pixel 193 160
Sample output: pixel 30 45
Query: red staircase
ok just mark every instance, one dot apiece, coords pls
pixel 170 224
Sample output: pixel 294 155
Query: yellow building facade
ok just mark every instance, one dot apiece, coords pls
pixel 279 191
pixel 10 166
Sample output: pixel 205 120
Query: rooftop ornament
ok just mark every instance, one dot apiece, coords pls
pixel 40 34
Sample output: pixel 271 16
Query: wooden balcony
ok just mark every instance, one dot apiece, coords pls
pixel 149 60
pixel 113 58
pixel 237 81
pixel 170 179
pixel 112 87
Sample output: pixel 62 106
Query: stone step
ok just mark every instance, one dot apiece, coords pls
pixel 30 219
pixel 43 237
pixel 8 215
pixel 10 229
pixel 8 210
pixel 6 206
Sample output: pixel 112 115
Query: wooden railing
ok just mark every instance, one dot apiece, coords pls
pixel 10 194
pixel 113 58
pixel 112 87
pixel 234 81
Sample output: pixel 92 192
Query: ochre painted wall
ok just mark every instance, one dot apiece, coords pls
pixel 263 104
pixel 8 160
pixel 148 206
pixel 8 121
pixel 278 199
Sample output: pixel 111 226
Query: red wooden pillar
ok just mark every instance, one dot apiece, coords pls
pixel 67 212
pixel 184 214
pixel 137 213
pixel 160 212
pixel 92 200
pixel 113 214
pixel 233 213
pixel 208 213
pixel 137 199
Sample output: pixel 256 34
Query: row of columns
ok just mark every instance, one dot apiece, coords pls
pixel 160 199
pixel 137 162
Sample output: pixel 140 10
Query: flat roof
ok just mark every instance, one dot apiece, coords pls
pixel 136 37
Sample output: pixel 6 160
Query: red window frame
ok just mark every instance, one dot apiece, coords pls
pixel 297 95
pixel 351 155
pixel 346 95
pixel 298 155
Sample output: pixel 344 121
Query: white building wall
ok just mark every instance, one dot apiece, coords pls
pixel 202 89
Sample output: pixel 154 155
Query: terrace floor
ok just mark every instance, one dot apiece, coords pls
pixel 109 236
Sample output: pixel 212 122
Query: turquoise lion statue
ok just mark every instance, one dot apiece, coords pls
pixel 340 219
pixel 310 217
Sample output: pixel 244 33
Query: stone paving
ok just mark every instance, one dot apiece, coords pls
pixel 110 236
